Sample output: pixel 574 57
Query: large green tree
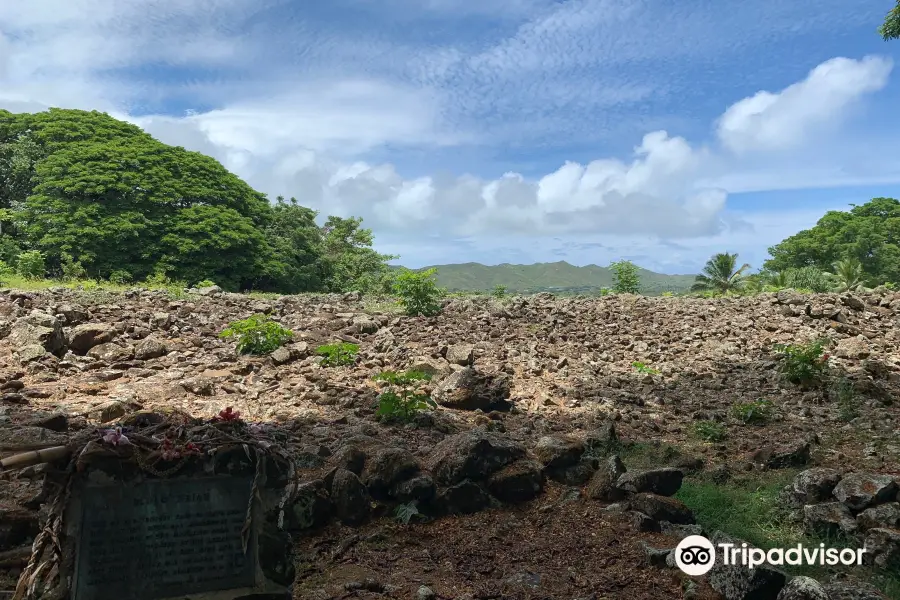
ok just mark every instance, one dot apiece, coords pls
pixel 349 261
pixel 890 30
pixel 868 233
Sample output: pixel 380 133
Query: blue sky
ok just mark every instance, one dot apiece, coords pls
pixel 500 131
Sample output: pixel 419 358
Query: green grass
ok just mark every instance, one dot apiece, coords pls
pixel 746 507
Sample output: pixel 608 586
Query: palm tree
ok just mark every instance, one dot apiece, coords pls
pixel 849 274
pixel 720 274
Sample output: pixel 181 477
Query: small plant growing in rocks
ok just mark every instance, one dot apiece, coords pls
pixel 402 400
pixel 710 431
pixel 644 368
pixel 847 399
pixel 340 354
pixel 803 364
pixel 257 335
pixel 418 293
pixel 120 277
pixel 753 413
pixel 499 291
pixel 206 283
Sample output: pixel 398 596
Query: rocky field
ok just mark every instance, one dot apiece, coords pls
pixel 552 467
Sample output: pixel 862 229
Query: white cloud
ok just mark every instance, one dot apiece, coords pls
pixel 768 121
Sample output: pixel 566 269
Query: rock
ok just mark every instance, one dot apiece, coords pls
pixel 469 389
pixel 37 330
pixel 311 507
pixel 577 474
pixel 161 320
pixel 471 455
pixel 387 467
pixel 275 555
pixel 419 488
pixel 210 290
pixel 663 482
pixel 815 485
pixel 803 588
pixel 84 337
pixel 425 593
pixel 883 548
pixel 862 490
pixel 602 441
pixel 853 302
pixel 281 356
pixel 828 519
pixel 465 497
pixel 854 348
pixel 149 348
pixel 737 582
pixel 201 386
pixel 782 457
pixel 15 438
pixel 662 508
pixel 351 499
pixel 110 353
pixel 113 411
pixel 436 367
pixel 602 485
pixel 461 354
pixel 556 452
pixel 656 557
pixel 679 531
pixel 74 315
pixel 518 482
pixel 885 516
pixel 840 590
pixel 30 353
pixel 350 458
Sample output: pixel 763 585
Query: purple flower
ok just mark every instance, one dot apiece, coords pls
pixel 115 437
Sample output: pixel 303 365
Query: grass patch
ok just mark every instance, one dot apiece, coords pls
pixel 747 508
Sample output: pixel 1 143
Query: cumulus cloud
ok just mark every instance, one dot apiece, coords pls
pixel 775 121
pixel 319 114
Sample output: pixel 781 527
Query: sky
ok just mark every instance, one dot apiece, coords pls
pixel 500 131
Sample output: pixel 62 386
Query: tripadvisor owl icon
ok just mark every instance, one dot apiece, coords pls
pixel 695 555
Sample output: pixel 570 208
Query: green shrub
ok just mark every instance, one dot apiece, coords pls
pixel 803 364
pixel 644 368
pixel 31 264
pixel 710 431
pixel 5 272
pixel 257 335
pixel 120 277
pixel 402 401
pixel 204 284
pixel 757 412
pixel 418 292
pixel 339 354
pixel 72 270
pixel 499 291
pixel 625 277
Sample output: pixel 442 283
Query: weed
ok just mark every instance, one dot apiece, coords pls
pixel 710 431
pixel 803 364
pixel 847 400
pixel 340 354
pixel 644 368
pixel 401 402
pixel 205 284
pixel 405 513
pixel 757 412
pixel 418 293
pixel 257 335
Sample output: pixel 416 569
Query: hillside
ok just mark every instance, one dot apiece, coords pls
pixel 548 277
pixel 551 466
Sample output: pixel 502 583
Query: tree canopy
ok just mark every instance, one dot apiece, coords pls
pixel 85 185
pixel 721 274
pixel 890 30
pixel 869 233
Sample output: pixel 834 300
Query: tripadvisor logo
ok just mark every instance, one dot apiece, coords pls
pixel 696 555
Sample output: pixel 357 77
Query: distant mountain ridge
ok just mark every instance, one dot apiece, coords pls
pixel 559 277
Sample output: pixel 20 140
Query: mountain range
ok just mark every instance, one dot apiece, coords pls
pixel 557 277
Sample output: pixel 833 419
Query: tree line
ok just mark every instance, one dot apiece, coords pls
pixel 83 194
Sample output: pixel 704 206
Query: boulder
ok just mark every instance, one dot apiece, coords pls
pixel 662 508
pixel 37 330
pixel 84 337
pixel 471 455
pixel 387 467
pixel 884 516
pixel 862 490
pixel 663 482
pixel 602 485
pixel 351 500
pixel 883 548
pixel 815 485
pixel 518 482
pixel 828 519
pixel 556 452
pixel 803 588
pixel 737 582
pixel 463 498
pixel 469 389
pixel 149 348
